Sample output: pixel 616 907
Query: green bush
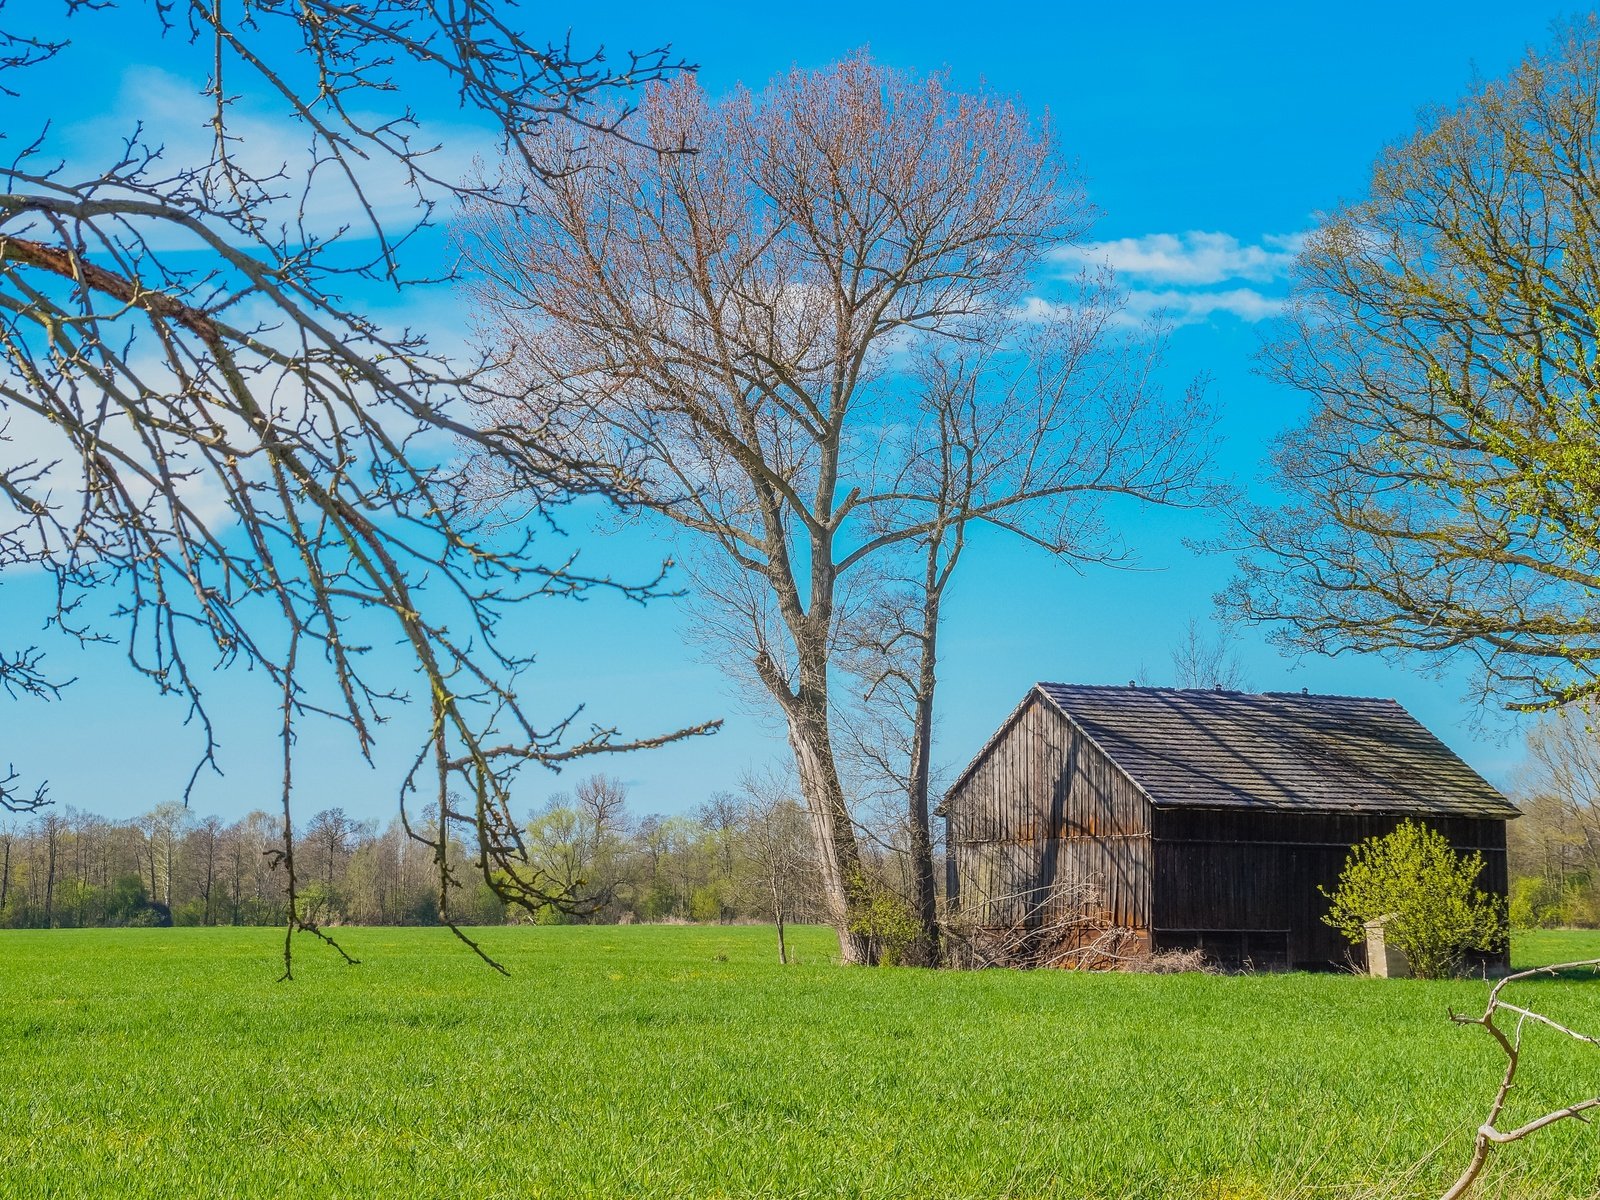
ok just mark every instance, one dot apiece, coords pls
pixel 1539 902
pixel 888 921
pixel 549 914
pixel 154 915
pixel 254 911
pixel 708 903
pixel 190 912
pixel 1535 903
pixel 126 903
pixel 1413 877
pixel 321 905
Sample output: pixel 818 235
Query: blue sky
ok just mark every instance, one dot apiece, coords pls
pixel 1209 138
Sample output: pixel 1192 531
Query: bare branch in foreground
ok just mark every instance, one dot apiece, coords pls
pixel 21 674
pixel 1489 1133
pixel 14 799
pixel 216 448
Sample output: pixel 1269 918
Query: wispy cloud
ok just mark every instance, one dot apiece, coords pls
pixel 1171 306
pixel 1192 259
pixel 174 116
pixel 1185 308
pixel 1176 276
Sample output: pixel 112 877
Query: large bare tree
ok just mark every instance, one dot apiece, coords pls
pixel 212 435
pixel 1446 488
pixel 1035 424
pixel 730 333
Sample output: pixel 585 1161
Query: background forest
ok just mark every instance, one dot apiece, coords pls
pixel 743 856
pixel 734 857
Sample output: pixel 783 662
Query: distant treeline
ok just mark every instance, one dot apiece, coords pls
pixel 1555 865
pixel 731 858
pixel 1554 847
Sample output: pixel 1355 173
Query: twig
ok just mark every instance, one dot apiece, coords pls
pixel 1489 1134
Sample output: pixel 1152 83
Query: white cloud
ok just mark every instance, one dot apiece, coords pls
pixel 1186 308
pixel 1176 277
pixel 1195 258
pixel 1171 306
pixel 175 117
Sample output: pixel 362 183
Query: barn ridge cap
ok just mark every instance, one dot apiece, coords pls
pixel 1212 691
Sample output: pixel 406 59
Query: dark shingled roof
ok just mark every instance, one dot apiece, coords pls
pixel 1280 750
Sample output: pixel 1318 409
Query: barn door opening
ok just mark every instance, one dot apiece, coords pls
pixel 1235 949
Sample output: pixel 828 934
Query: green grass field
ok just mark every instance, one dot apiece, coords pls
pixel 673 1061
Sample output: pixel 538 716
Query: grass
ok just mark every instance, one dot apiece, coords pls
pixel 673 1061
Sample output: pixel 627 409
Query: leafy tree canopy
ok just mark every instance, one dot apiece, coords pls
pixel 1446 487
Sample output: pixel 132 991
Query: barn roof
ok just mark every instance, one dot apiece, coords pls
pixel 1277 750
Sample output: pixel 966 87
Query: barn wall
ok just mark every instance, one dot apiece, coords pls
pixel 1045 806
pixel 1250 880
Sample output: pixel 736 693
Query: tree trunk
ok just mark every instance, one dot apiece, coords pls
pixel 211 873
pixel 50 879
pixel 777 914
pixel 844 882
pixel 924 897
pixel 236 889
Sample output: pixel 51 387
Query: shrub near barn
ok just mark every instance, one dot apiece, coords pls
pixel 1436 913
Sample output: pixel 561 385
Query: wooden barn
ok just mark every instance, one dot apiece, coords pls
pixel 1201 819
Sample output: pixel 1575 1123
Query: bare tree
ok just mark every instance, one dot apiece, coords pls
pixel 1035 425
pixel 775 842
pixel 575 843
pixel 1202 661
pixel 204 427
pixel 1564 762
pixel 604 799
pixel 51 828
pixel 8 838
pixel 721 817
pixel 726 334
pixel 208 833
pixel 238 855
pixel 163 828
pixel 1557 839
pixel 330 836
pixel 1446 497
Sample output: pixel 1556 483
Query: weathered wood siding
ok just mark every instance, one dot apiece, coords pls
pixel 1044 806
pixel 1258 874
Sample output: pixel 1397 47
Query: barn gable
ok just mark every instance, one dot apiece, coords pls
pixel 1039 805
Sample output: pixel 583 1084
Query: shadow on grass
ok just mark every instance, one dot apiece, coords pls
pixel 1587 974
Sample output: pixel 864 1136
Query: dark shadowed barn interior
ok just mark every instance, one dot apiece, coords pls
pixel 1201 819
